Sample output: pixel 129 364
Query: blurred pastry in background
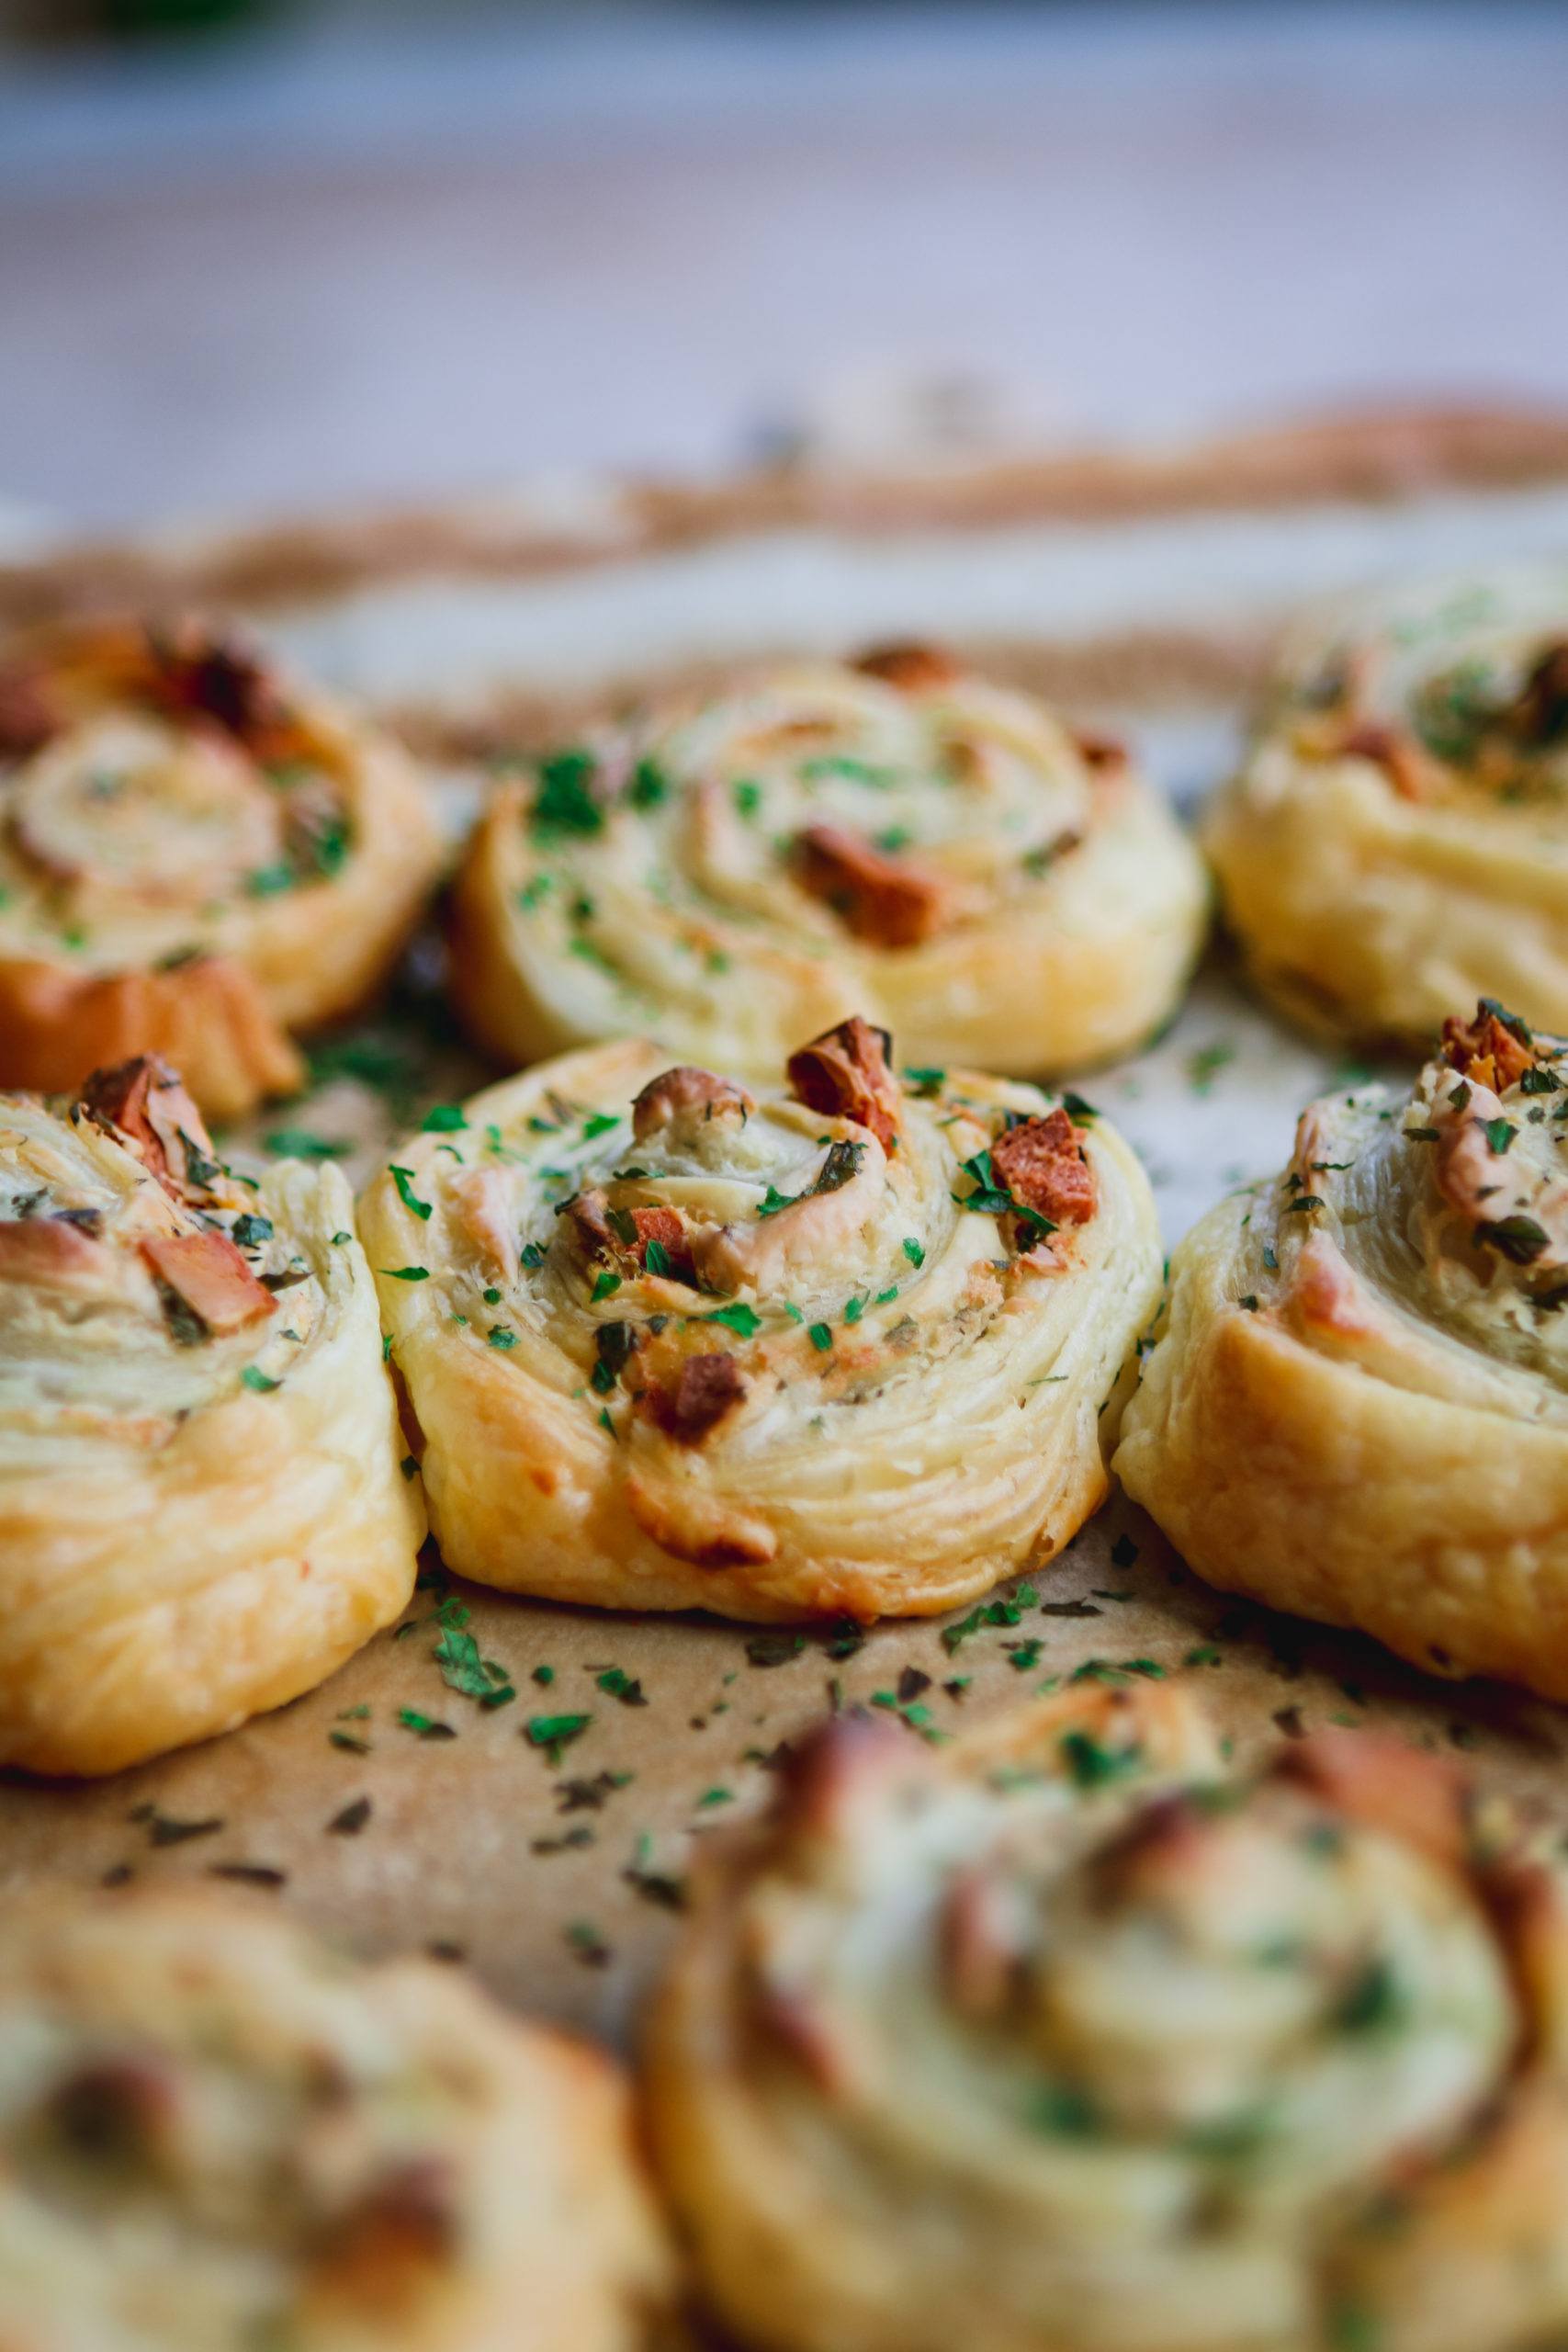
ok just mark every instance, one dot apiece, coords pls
pixel 217 2132
pixel 198 858
pixel 1356 1408
pixel 1066 2038
pixel 203 1506
pixel 853 1343
pixel 1396 843
pixel 894 838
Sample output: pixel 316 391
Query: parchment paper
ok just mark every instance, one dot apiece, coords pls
pixel 558 1878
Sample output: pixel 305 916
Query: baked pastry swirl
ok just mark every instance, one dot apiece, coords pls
pixel 1398 841
pixel 897 839
pixel 196 858
pixel 215 2133
pixel 201 1507
pixel 852 1344
pixel 1058 2043
pixel 1358 1407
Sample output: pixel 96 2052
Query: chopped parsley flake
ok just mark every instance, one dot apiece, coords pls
pixel 298 1143
pixel 1092 1765
pixel 251 1378
pixel 991 1199
pixel 424 1726
pixel 842 1161
pixel 650 785
pixel 1063 2112
pixel 743 1320
pixel 1373 2003
pixel 774 1647
pixel 991 1613
pixel 404 1178
pixel 1519 1238
pixel 462 1668
pixel 565 802
pixel 554 1732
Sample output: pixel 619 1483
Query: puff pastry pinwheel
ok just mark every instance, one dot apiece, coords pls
pixel 1056 2042
pixel 1357 1407
pixel 215 2133
pixel 897 839
pixel 202 1511
pixel 196 858
pixel 852 1346
pixel 1398 841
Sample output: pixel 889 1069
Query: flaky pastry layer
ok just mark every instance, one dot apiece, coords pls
pixel 197 859
pixel 202 1507
pixel 1063 2040
pixel 897 839
pixel 852 1343
pixel 214 2131
pixel 1358 1407
pixel 1396 843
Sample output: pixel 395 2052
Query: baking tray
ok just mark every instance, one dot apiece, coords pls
pixel 1143 588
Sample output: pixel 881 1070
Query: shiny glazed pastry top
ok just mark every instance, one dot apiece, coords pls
pixel 196 858
pixel 1359 1405
pixel 218 2135
pixel 897 838
pixel 201 1507
pixel 1398 841
pixel 850 1343
pixel 1063 2040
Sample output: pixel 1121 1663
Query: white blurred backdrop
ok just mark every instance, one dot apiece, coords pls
pixel 363 251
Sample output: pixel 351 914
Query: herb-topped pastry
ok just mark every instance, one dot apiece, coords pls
pixel 202 1507
pixel 217 2135
pixel 1359 1405
pixel 847 1343
pixel 897 838
pixel 1059 2041
pixel 196 858
pixel 1398 841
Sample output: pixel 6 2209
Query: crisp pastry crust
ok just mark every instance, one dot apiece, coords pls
pixel 196 859
pixel 897 838
pixel 1059 2042
pixel 216 2133
pixel 1358 1407
pixel 1398 841
pixel 202 1511
pixel 852 1344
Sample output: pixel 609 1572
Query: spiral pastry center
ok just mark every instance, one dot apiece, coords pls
pixel 1462 694
pixel 136 1277
pixel 152 787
